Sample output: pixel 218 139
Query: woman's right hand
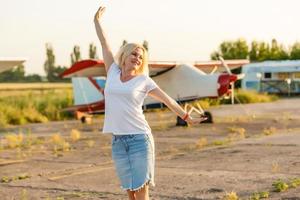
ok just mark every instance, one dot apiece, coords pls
pixel 195 120
pixel 99 14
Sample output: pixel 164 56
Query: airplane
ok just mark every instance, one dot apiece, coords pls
pixel 183 82
pixel 9 63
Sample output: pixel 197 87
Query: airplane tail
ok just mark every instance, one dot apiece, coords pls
pixel 88 86
pixel 88 94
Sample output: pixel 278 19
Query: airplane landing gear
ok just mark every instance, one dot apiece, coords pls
pixel 83 117
pixel 181 122
pixel 86 120
pixel 199 110
pixel 209 117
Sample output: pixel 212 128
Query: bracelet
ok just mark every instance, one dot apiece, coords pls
pixel 185 116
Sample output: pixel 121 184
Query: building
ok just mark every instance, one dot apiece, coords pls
pixel 9 63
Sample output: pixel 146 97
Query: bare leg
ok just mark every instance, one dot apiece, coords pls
pixel 143 193
pixel 131 195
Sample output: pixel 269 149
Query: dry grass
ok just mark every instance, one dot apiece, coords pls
pixel 14 140
pixel 20 141
pixel 275 167
pixel 59 143
pixel 269 131
pixel 75 135
pixel 90 143
pixel 236 133
pixel 201 143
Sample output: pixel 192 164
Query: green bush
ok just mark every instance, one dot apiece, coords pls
pixel 280 186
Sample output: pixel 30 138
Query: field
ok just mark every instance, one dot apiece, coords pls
pixel 250 152
pixel 25 103
pixel 8 89
pixel 30 103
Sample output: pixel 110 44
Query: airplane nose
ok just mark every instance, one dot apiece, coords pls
pixel 233 78
pixel 224 81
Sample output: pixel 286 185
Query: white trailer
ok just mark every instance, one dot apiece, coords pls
pixel 277 77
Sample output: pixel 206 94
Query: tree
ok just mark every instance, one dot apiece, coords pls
pixel 75 55
pixel 277 51
pixel 33 78
pixel 263 51
pixel 240 49
pixel 52 71
pixel 59 70
pixel 124 43
pixel 93 51
pixel 215 55
pixel 232 50
pixel 295 51
pixel 146 45
pixel 253 53
pixel 49 65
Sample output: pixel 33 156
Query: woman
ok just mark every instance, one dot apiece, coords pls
pixel 127 86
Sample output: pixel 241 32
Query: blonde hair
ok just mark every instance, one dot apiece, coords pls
pixel 126 50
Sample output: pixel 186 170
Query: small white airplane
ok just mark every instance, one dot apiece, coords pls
pixel 9 63
pixel 182 82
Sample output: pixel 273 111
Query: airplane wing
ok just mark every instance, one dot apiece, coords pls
pixel 90 68
pixel 9 63
pixel 157 68
pixel 85 68
pixel 208 66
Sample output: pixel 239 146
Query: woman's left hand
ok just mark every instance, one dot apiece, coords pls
pixel 195 120
pixel 99 14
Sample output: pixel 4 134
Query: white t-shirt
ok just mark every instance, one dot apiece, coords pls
pixel 123 103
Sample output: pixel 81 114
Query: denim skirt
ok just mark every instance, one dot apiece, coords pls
pixel 133 156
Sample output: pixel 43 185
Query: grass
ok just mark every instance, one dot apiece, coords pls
pixel 275 167
pixel 244 97
pixel 9 87
pixel 231 196
pixel 14 140
pixel 241 96
pixel 294 183
pixel 236 133
pixel 269 131
pixel 201 143
pixel 75 135
pixel 221 142
pixel 33 107
pixel 6 179
pixel 59 143
pixel 260 195
pixel 280 186
pixel 90 143
pixel 24 195
pixel 25 145
pixel 22 103
pixel 21 141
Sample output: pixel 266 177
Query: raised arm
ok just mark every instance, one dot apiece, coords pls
pixel 106 51
pixel 161 96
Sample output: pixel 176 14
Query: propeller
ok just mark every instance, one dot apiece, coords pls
pixel 238 77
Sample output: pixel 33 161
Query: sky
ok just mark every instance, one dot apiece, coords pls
pixel 183 31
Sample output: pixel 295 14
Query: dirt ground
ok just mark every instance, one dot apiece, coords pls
pixel 246 150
